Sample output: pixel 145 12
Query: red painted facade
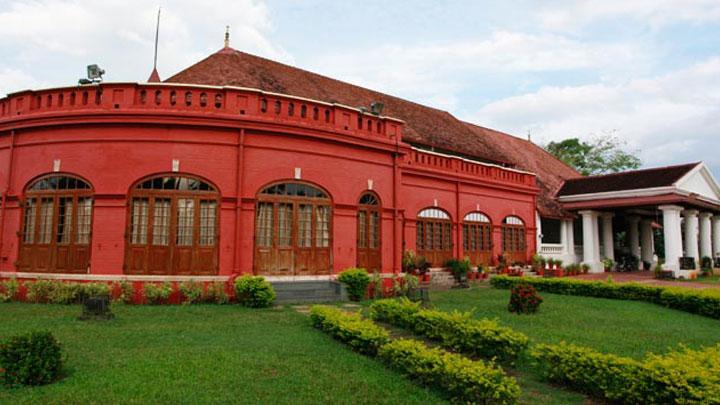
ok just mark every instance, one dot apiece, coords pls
pixel 239 141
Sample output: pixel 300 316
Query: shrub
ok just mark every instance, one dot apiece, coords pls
pixel 156 294
pixel 8 290
pixel 408 261
pixel 463 379
pixel 31 359
pixel 679 377
pixel 40 291
pixel 524 299
pixel 192 292
pixel 350 328
pixel 454 330
pixel 254 292
pixel 127 292
pixel 216 294
pixel 59 292
pixel 357 281
pixel 704 302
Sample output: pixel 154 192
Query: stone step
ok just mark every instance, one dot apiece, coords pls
pixel 295 292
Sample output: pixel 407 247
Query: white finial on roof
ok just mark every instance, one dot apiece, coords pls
pixel 227 36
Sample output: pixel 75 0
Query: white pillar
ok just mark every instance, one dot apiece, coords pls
pixel 570 238
pixel 591 250
pixel 671 234
pixel 705 235
pixel 691 234
pixel 716 235
pixel 647 242
pixel 538 231
pixel 633 238
pixel 608 235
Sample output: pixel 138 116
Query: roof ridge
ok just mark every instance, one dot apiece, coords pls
pixel 649 169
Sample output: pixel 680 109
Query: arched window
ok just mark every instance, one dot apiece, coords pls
pixel 56 225
pixel 368 232
pixel 513 238
pixel 293 230
pixel 172 226
pixel 434 236
pixel 477 238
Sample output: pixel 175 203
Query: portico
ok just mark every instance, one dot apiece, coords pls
pixel 622 216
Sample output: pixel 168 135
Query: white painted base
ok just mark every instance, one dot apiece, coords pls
pixel 597 267
pixel 686 274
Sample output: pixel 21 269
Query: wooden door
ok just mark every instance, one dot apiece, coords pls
pixel 477 240
pixel 56 226
pixel 368 236
pixel 513 237
pixel 172 227
pixel 292 231
pixel 434 241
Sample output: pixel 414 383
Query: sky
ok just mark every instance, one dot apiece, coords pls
pixel 645 71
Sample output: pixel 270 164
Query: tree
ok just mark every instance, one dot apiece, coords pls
pixel 598 156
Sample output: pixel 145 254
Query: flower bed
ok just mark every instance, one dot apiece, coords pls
pixel 702 302
pixel 456 330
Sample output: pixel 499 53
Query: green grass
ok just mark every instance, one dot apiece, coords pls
pixel 202 354
pixel 626 328
pixel 712 280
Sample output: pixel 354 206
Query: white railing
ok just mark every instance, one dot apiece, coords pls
pixel 551 249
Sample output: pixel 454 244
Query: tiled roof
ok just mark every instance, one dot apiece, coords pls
pixel 630 180
pixel 425 126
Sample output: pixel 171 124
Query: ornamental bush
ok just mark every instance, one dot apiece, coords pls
pixel 524 299
pixel 216 294
pixel 350 328
pixel 454 330
pixel 254 292
pixel 8 290
pixel 465 380
pixel 357 281
pixel 192 292
pixel 157 294
pixel 684 376
pixel 30 359
pixel 61 292
pixel 704 302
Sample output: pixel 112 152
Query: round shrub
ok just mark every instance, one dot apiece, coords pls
pixel 357 281
pixel 254 292
pixel 524 299
pixel 30 359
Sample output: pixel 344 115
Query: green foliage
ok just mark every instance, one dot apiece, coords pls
pixel 459 268
pixel 216 294
pixel 350 328
pixel 454 330
pixel 30 359
pixel 465 380
pixel 8 290
pixel 704 302
pixel 254 292
pixel 192 292
pixel 127 292
pixel 601 155
pixel 157 294
pixel 679 377
pixel 357 281
pixel 524 299
pixel 608 263
pixel 376 281
pixel 408 261
pixel 60 292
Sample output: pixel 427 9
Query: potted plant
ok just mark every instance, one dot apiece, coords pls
pixel 423 268
pixel 409 261
pixel 608 263
pixel 585 268
pixel 459 269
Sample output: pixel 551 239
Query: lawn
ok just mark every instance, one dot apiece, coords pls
pixel 202 354
pixel 626 328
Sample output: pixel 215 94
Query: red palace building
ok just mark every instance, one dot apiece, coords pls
pixel 242 165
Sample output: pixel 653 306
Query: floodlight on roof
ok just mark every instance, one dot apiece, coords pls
pixel 376 107
pixel 94 73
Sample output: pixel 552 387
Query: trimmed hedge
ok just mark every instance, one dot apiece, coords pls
pixel 60 292
pixel 254 292
pixel 463 379
pixel 679 377
pixel 453 330
pixel 357 281
pixel 704 302
pixel 31 359
pixel 360 334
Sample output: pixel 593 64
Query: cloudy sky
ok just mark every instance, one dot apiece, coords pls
pixel 646 70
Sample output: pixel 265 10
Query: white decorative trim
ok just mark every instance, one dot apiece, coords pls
pixel 56 165
pixel 298 173
pixel 645 192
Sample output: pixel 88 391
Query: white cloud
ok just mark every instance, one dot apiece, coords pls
pixel 570 15
pixel 435 71
pixel 38 33
pixel 15 80
pixel 670 118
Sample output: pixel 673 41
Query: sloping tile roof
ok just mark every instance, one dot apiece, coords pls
pixel 425 126
pixel 630 180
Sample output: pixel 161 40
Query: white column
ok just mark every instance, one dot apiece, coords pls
pixel 591 249
pixel 633 238
pixel 647 242
pixel 671 234
pixel 716 235
pixel 570 238
pixel 705 235
pixel 691 234
pixel 608 235
pixel 538 231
